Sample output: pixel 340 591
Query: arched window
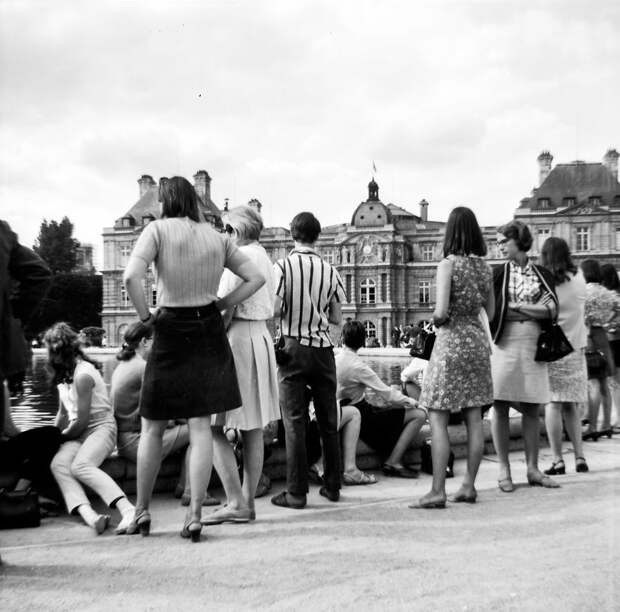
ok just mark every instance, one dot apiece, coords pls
pixel 367 291
pixel 371 330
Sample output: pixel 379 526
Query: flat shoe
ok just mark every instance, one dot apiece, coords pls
pixel 399 472
pixel 428 504
pixel 227 515
pixel 282 500
pixel 332 495
pixel 545 481
pixel 459 498
pixel 505 485
pixel 361 478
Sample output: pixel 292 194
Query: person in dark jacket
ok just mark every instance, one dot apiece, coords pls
pixel 24 279
pixel 524 297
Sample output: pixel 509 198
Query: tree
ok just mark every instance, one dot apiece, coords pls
pixel 56 245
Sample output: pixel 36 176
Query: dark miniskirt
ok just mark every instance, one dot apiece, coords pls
pixel 190 371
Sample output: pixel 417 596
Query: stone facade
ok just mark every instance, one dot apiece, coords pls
pixel 387 255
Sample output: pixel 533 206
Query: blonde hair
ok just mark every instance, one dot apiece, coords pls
pixel 246 221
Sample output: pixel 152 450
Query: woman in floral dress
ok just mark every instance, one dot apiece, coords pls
pixel 459 371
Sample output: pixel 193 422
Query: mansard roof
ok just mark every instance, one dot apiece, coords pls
pixel 148 205
pixel 579 180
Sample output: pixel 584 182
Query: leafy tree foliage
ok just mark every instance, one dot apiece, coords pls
pixel 74 298
pixel 56 245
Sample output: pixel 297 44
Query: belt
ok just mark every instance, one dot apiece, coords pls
pixel 191 312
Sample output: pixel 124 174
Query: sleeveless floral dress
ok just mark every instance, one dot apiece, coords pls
pixel 459 370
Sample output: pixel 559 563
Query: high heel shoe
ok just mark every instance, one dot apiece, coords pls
pixel 141 523
pixel 192 530
pixel 557 467
pixel 591 435
pixel 581 465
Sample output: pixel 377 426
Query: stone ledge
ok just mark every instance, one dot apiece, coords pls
pixel 124 471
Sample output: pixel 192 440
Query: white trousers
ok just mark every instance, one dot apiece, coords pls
pixel 78 461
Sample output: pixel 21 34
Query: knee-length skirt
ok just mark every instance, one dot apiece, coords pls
pixel 255 361
pixel 568 378
pixel 516 376
pixel 190 371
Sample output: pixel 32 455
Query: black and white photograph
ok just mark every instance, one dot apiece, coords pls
pixel 310 305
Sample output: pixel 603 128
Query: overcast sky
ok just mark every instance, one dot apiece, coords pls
pixel 290 102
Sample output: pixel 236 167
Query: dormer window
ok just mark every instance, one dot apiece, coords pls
pixel 595 200
pixel 147 219
pixel 569 202
pixel 543 202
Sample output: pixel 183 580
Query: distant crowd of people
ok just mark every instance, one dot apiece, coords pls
pixel 204 364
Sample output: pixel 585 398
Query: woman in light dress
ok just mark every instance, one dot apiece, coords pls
pixel 252 347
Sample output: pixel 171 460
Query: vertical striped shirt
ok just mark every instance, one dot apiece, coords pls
pixel 307 286
pixel 188 258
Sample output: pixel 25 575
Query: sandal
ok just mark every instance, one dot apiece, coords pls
pixel 506 485
pixel 461 497
pixel 557 467
pixel 359 478
pixel 545 482
pixel 581 465
pixel 429 503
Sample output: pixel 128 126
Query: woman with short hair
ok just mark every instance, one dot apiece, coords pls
pixel 601 307
pixel 458 377
pixel 524 296
pixel 190 372
pixel 568 377
pixel 252 348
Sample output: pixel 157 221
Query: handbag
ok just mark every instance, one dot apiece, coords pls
pixel 552 344
pixel 19 509
pixel 423 343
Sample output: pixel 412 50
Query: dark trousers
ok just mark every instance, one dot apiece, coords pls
pixel 314 368
pixel 28 455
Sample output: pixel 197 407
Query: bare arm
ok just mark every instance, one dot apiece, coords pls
pixel 334 314
pixel 545 308
pixel 250 275
pixel 444 281
pixel 135 272
pixel 61 420
pixel 84 385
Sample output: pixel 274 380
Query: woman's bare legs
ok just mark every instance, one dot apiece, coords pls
pixel 606 403
pixel 350 424
pixel 475 450
pixel 500 430
pixel 553 425
pixel 226 467
pixel 149 460
pixel 413 421
pixel 595 394
pixel 440 453
pixel 253 456
pixel 572 419
pixel 200 460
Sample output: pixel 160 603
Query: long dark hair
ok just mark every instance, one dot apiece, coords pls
pixel 63 351
pixel 131 339
pixel 591 270
pixel 178 198
pixel 463 234
pixel 609 277
pixel 555 256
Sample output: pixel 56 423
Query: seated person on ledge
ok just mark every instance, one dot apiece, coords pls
pixel 390 430
pixel 125 389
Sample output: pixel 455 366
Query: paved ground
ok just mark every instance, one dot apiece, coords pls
pixel 531 550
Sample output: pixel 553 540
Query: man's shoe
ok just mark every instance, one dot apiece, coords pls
pixel 333 496
pixel 284 500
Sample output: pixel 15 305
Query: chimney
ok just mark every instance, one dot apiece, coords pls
pixel 544 165
pixel 202 185
pixel 256 205
pixel 424 211
pixel 145 182
pixel 610 161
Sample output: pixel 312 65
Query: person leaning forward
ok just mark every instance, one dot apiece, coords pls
pixel 309 294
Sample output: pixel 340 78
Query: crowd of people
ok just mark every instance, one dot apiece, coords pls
pixel 204 363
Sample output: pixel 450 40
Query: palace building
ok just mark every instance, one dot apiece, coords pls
pixel 387 254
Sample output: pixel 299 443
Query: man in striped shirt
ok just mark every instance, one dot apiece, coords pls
pixel 309 294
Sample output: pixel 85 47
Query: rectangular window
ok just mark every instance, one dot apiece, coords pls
pixel 618 239
pixel 124 298
pixel 425 292
pixel 543 234
pixel 328 256
pixel 125 252
pixel 384 288
pixel 583 239
pixel 427 252
pixel 153 295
